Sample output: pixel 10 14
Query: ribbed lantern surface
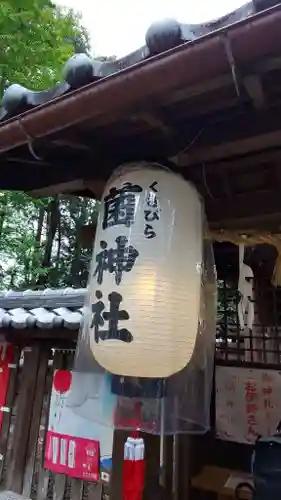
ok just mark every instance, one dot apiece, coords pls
pixel 146 273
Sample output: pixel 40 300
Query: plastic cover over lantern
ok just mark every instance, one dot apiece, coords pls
pixel 167 304
pixel 146 273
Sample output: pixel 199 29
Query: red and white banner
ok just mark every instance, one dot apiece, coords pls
pixel 248 403
pixel 6 360
pixel 80 438
pixel 75 457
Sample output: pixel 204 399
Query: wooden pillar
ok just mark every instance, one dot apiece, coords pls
pixel 11 394
pixel 23 420
pixel 185 465
pixel 117 465
pixel 35 421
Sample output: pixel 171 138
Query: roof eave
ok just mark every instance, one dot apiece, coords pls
pixel 250 39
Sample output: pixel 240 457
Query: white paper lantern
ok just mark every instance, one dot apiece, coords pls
pixel 146 273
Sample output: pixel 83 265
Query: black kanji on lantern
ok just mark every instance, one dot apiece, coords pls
pixel 151 213
pixel 112 318
pixel 115 260
pixel 97 319
pixel 153 187
pixel 119 205
pixel 150 216
pixel 149 232
pixel 152 199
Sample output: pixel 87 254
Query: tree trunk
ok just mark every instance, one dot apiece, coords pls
pixel 76 263
pixel 41 216
pixel 53 218
pixel 3 211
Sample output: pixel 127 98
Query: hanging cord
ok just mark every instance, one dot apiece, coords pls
pixel 205 180
pixel 192 142
pixel 29 140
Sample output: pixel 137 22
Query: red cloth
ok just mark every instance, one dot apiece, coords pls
pixel 133 477
pixel 134 470
pixel 127 479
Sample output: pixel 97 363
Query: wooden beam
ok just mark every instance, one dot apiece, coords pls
pixel 243 134
pixel 75 186
pixel 27 161
pixel 24 336
pixel 229 149
pixel 255 90
pixel 245 205
pixel 28 178
pixel 187 93
pixel 63 187
pixel 269 223
pixel 263 66
pixel 197 90
pixel 236 164
pixel 244 209
pixel 72 144
pixel 154 121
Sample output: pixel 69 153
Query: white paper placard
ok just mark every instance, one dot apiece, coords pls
pixel 248 403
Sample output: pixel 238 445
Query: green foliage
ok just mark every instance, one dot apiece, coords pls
pixel 39 238
pixel 36 40
pixel 39 241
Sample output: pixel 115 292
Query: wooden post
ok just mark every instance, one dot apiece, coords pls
pixel 23 420
pixel 117 465
pixel 44 474
pixel 4 435
pixel 35 421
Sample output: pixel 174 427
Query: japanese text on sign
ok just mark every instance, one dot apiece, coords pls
pixel 119 210
pixel 76 457
pixel 248 403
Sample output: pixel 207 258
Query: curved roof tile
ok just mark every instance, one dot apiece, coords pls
pixel 42 309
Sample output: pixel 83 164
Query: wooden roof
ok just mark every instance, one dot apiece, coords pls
pixel 209 107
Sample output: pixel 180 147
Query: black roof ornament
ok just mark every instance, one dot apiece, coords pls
pixel 163 35
pixel 15 97
pixel 81 70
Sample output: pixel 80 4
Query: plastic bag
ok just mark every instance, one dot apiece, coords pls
pixel 180 402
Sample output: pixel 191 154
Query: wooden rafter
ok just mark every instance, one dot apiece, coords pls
pixel 75 186
pixel 247 132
